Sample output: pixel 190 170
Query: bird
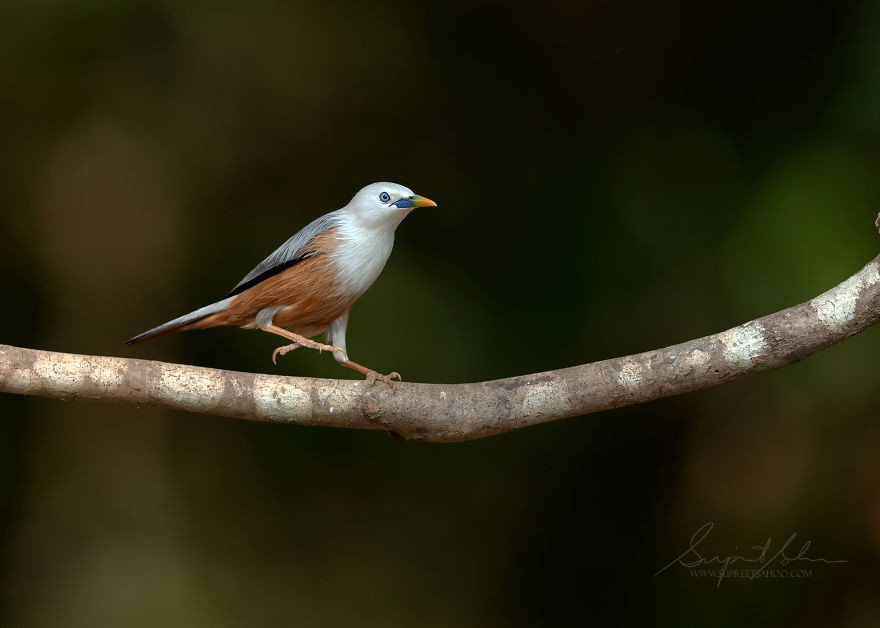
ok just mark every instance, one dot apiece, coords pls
pixel 308 285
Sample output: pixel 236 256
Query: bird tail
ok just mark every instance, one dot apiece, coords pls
pixel 182 321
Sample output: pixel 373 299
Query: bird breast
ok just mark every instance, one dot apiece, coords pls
pixel 361 253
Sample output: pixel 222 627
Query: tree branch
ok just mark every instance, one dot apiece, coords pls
pixel 458 412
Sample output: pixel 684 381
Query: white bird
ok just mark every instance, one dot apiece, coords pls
pixel 308 285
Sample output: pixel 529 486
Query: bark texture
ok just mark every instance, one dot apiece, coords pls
pixel 458 412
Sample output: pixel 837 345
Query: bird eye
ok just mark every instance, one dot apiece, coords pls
pixel 384 197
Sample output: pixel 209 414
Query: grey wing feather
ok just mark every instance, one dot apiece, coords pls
pixel 294 250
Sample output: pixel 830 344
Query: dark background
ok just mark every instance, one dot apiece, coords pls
pixel 612 177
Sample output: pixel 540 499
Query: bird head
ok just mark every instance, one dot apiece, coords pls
pixel 386 203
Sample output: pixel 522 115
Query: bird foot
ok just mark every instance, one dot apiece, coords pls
pixel 283 350
pixel 372 376
pixel 311 344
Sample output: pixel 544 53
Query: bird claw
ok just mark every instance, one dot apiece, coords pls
pixel 322 348
pixel 283 350
pixel 372 376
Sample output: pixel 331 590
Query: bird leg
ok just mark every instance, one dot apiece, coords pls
pixel 298 341
pixel 302 341
pixel 372 375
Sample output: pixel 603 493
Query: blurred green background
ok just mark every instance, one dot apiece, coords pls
pixel 612 177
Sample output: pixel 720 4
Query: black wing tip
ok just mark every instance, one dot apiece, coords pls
pixel 141 337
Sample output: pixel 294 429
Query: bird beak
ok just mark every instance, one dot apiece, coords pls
pixel 415 201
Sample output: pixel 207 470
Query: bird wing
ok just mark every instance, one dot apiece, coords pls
pixel 296 249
